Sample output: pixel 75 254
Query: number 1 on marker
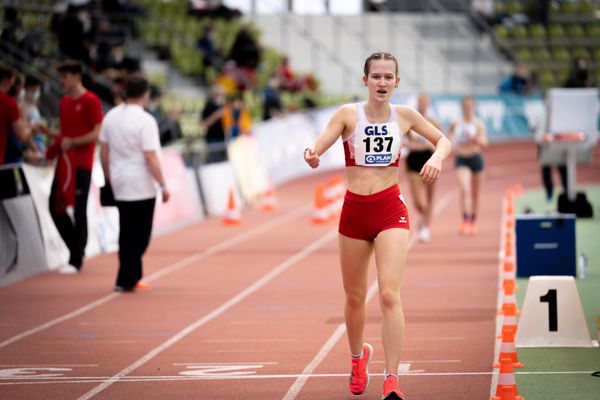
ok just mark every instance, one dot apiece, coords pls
pixel 551 298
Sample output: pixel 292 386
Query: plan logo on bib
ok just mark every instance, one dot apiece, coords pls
pixel 378 159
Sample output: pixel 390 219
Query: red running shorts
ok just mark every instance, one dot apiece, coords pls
pixel 365 216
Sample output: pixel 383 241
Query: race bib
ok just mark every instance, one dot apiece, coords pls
pixel 377 145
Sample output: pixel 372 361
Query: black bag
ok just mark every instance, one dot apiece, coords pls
pixel 107 199
pixel 580 206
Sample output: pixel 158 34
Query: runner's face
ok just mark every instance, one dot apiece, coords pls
pixel 381 80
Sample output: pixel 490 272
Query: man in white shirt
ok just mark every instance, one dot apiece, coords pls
pixel 129 149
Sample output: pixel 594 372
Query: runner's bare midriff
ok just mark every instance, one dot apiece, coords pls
pixel 369 180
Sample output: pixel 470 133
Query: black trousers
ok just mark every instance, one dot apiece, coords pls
pixel 74 231
pixel 135 220
pixel 547 179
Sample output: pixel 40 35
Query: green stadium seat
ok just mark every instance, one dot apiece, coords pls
pixel 575 31
pixel 597 54
pixel 537 31
pixel 593 30
pixel 518 32
pixel 514 7
pixel 557 31
pixel 541 55
pixel 546 79
pixel 582 52
pixel 501 32
pixel 523 54
pixel 568 7
pixel 586 8
pixel 561 55
pixel 561 75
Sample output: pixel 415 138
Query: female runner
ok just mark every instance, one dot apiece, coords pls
pixel 374 217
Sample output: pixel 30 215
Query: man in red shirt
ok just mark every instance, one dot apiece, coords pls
pixel 9 120
pixel 80 121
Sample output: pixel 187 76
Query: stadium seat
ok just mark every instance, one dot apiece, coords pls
pixel 541 55
pixel 557 31
pixel 575 31
pixel 523 54
pixel 546 79
pixel 537 32
pixel 561 55
pixel 586 8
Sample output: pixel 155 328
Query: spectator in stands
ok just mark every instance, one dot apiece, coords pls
pixel 245 50
pixel 519 82
pixel 287 77
pixel 211 56
pixel 72 31
pixel 31 112
pixel 212 122
pixel 73 146
pixel 470 138
pixel 213 9
pixel 236 118
pixel 579 76
pixel 11 27
pixel 129 146
pixel 30 150
pixel 272 106
pixel 168 124
pixel 9 120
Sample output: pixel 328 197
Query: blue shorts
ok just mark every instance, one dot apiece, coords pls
pixel 474 162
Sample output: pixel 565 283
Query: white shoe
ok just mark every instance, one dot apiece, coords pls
pixel 68 269
pixel 424 234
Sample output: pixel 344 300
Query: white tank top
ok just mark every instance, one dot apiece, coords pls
pixel 373 145
pixel 465 131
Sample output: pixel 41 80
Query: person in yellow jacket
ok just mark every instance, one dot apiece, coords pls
pixel 236 118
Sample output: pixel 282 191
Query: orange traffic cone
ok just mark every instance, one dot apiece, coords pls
pixel 508 349
pixel 508 265
pixel 334 192
pixel 509 305
pixel 506 389
pixel 232 214
pixel 518 188
pixel 269 201
pixel 321 213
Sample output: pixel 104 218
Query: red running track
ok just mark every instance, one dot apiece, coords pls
pixel 255 311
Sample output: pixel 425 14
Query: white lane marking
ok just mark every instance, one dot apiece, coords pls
pixel 274 321
pixel 46 365
pixel 423 361
pixel 158 378
pixel 282 267
pixel 294 390
pixel 165 271
pixel 249 340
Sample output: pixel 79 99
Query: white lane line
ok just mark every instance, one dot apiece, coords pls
pixel 45 365
pixel 248 340
pixel 282 267
pixel 294 390
pixel 128 379
pixel 165 271
pixel 422 361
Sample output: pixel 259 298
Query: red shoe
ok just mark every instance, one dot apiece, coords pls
pixel 465 228
pixel 390 389
pixel 474 230
pixel 359 377
pixel 141 286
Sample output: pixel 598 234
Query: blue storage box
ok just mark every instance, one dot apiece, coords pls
pixel 545 245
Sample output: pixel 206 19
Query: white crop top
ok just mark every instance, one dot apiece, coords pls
pixel 465 131
pixel 373 145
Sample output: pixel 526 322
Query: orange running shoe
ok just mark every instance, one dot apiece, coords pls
pixel 390 389
pixel 359 377
pixel 474 230
pixel 465 228
pixel 141 286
